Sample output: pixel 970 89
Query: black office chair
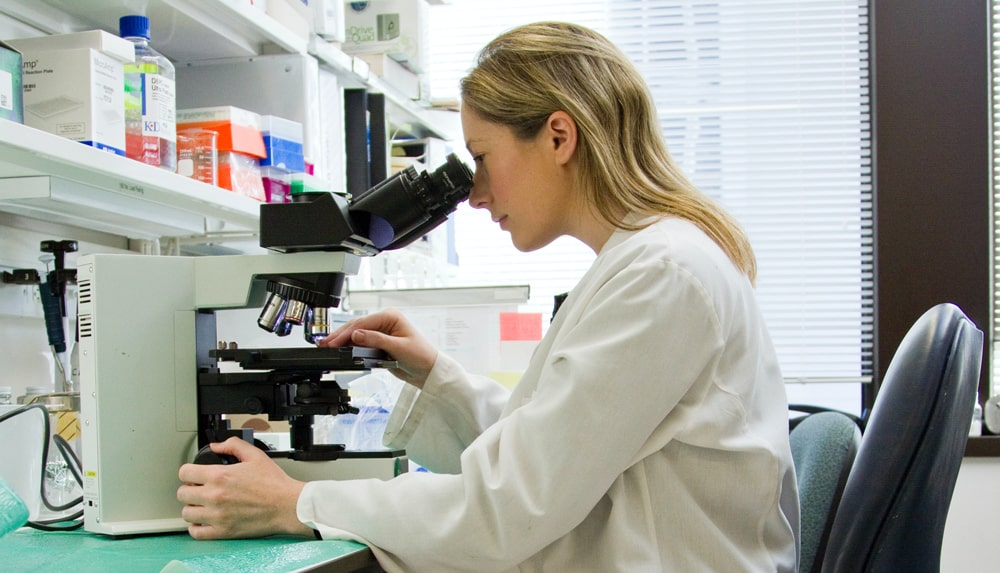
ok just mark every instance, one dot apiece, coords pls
pixel 824 446
pixel 892 513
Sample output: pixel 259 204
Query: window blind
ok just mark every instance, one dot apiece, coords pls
pixel 995 153
pixel 765 106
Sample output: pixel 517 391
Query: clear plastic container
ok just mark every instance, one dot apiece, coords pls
pixel 241 173
pixel 6 393
pixel 150 99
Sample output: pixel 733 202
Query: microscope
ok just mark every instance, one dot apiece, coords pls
pixel 153 394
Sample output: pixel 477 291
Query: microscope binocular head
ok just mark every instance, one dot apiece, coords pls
pixel 390 215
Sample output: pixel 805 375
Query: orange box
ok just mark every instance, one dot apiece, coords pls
pixel 239 129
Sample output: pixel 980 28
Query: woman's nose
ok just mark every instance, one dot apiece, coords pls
pixel 478 196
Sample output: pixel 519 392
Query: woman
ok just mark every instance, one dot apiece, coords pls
pixel 649 431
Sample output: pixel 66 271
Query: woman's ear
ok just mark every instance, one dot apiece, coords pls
pixel 561 131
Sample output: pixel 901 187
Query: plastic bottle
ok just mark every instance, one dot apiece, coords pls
pixel 5 395
pixel 150 99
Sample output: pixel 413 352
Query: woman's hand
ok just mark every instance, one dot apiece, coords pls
pixel 389 331
pixel 253 498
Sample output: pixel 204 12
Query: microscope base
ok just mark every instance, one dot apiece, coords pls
pixel 382 465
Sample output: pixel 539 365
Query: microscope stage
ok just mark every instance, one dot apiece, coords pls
pixel 311 358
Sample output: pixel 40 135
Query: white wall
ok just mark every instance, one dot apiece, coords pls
pixel 24 351
pixel 970 532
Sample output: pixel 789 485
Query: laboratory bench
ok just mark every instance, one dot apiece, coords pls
pixel 26 550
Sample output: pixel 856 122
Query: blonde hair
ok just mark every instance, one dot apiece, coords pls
pixel 527 73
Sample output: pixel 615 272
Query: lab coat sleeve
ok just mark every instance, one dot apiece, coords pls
pixel 605 395
pixel 436 424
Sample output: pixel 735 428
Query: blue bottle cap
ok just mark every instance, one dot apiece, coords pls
pixel 133 25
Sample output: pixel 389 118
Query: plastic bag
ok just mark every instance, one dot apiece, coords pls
pixel 374 395
pixel 13 512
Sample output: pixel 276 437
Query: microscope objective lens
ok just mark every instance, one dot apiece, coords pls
pixel 317 324
pixel 295 312
pixel 272 314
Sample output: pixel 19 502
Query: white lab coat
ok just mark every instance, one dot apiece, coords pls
pixel 649 433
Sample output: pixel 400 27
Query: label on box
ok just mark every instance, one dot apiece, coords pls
pixel 6 90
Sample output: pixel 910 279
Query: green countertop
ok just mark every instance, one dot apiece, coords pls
pixel 26 550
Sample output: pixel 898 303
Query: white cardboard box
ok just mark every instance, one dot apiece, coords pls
pixel 407 82
pixel 397 28
pixel 73 86
pixel 78 94
pixel 99 40
pixel 328 19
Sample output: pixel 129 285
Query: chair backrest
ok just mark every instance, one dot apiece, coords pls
pixel 892 513
pixel 805 410
pixel 824 445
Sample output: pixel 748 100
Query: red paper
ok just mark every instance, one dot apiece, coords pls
pixel 520 326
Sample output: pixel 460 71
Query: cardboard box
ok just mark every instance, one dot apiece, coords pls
pixel 78 94
pixel 74 86
pixel 328 19
pixel 11 105
pixel 407 82
pixel 397 28
pixel 109 44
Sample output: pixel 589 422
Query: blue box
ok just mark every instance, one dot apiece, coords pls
pixel 283 153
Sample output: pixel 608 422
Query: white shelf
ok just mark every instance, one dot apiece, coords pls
pixel 198 30
pixel 446 296
pixel 52 178
pixel 189 31
pixel 47 177
pixel 182 30
pixel 355 72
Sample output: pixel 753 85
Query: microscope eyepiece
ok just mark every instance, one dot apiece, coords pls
pixel 409 204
